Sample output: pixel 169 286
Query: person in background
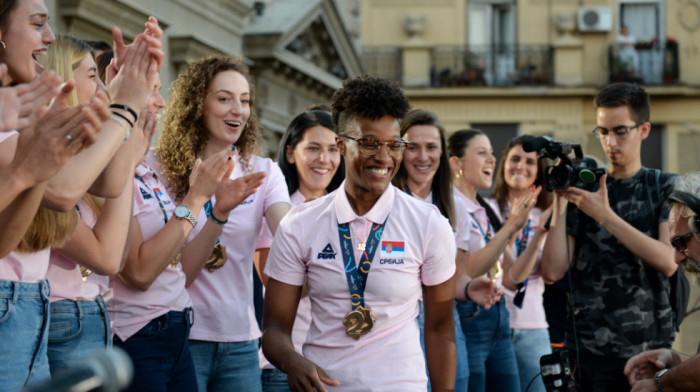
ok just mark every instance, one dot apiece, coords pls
pixel 492 363
pixel 517 172
pixel 210 112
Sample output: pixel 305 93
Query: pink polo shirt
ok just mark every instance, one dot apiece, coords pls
pixel 461 225
pixel 307 246
pixel 303 320
pixel 131 309
pixel 64 273
pixel 23 267
pixel 477 225
pixel 223 299
pixel 532 315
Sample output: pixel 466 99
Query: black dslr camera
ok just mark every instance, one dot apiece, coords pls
pixel 579 171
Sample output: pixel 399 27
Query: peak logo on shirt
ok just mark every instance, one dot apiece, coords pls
pixel 144 194
pixel 393 249
pixel 327 253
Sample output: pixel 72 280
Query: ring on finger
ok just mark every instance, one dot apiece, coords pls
pixel 525 205
pixel 69 137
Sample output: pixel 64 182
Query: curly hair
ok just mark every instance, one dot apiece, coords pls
pixel 369 97
pixel 184 134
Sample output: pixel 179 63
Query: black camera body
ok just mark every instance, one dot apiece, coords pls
pixel 558 371
pixel 577 171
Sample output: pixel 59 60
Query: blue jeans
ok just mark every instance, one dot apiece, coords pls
pixel 530 345
pixel 24 324
pixel 462 380
pixel 161 355
pixel 226 366
pixel 492 365
pixel 274 380
pixel 77 329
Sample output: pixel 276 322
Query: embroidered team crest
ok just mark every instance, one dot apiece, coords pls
pixel 159 195
pixel 144 194
pixel 393 249
pixel 327 253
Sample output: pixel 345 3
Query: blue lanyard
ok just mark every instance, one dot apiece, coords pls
pixel 489 233
pixel 522 240
pixel 156 192
pixel 207 209
pixel 357 277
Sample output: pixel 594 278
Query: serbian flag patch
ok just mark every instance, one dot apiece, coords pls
pixel 393 249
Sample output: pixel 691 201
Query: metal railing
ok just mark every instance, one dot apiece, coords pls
pixel 644 63
pixel 385 62
pixel 492 65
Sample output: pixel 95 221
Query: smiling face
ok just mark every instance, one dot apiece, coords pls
pixel 26 35
pixel 622 151
pixel 86 79
pixel 422 156
pixel 477 163
pixel 316 157
pixel 520 168
pixel 226 108
pixel 368 176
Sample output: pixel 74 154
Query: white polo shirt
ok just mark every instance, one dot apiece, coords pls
pixel 307 245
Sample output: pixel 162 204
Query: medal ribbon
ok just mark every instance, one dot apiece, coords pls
pixel 207 209
pixel 160 202
pixel 520 245
pixel 357 274
pixel 489 233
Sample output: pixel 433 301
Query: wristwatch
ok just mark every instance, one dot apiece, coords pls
pixel 657 379
pixel 183 212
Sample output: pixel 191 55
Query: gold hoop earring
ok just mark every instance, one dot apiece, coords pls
pixel 3 44
pixel 459 173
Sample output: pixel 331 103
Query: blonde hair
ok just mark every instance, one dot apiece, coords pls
pixel 64 56
pixel 52 228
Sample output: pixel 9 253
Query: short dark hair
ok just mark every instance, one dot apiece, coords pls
pixel 6 8
pixel 369 97
pixel 442 182
pixel 99 45
pixel 294 134
pixel 459 141
pixel 102 61
pixel 625 94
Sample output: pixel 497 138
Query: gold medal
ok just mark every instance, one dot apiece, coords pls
pixel 358 322
pixel 217 259
pixel 495 271
pixel 360 245
pixel 175 262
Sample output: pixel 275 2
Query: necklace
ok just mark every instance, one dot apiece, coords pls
pixel 361 245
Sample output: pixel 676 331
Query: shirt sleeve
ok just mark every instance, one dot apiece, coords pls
pixel 440 251
pixel 285 262
pixel 462 228
pixel 276 187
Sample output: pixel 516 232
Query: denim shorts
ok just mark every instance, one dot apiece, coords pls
pixel 161 354
pixel 24 323
pixel 77 329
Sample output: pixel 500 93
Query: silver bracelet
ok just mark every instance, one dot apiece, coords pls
pixel 123 124
pixel 510 275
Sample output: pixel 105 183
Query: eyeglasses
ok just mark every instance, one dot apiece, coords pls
pixel 371 146
pixel 680 243
pixel 621 131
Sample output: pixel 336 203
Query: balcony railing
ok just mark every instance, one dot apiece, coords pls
pixel 383 61
pixel 644 63
pixel 492 65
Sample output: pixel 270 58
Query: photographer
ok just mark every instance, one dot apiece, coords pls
pixel 648 371
pixel 616 243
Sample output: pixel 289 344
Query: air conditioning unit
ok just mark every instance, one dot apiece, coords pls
pixel 594 19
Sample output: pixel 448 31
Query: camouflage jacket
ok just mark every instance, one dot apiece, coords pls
pixel 621 304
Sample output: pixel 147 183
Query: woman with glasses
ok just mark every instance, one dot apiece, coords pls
pixel 492 364
pixel 365 253
pixel 211 112
pixel 517 173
